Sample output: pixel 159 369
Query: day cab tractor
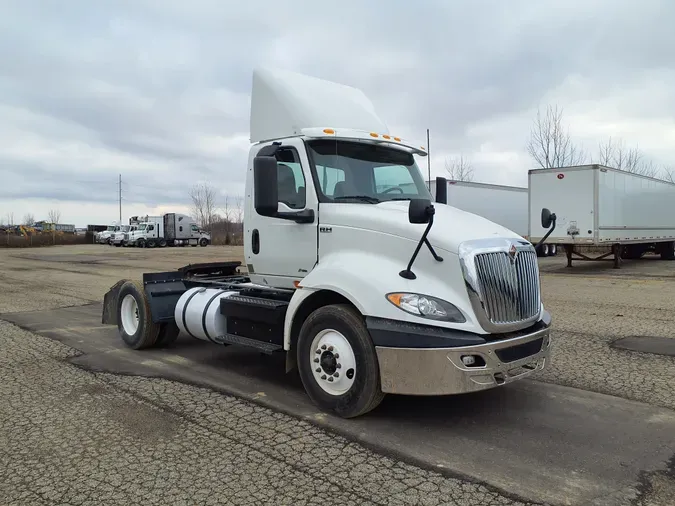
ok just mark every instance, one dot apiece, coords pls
pixel 352 272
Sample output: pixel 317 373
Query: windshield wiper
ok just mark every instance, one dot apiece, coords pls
pixel 364 198
pixel 401 198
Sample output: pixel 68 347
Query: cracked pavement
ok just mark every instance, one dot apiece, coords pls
pixel 75 437
pixel 72 436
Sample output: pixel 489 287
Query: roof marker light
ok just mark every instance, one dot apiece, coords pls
pixel 373 134
pixel 386 136
pixel 397 139
pixel 328 131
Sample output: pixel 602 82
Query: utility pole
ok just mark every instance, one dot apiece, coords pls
pixel 120 188
pixel 428 160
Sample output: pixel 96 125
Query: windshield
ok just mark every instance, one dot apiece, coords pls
pixel 125 228
pixel 349 171
pixel 110 228
pixel 142 227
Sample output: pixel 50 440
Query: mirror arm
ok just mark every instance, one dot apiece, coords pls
pixel 407 273
pixel 550 231
pixel 304 216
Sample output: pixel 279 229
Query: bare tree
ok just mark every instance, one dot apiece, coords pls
pixel 10 219
pixel 54 216
pixel 550 144
pixel 669 174
pixel 203 198
pixel 616 155
pixel 29 219
pixel 459 169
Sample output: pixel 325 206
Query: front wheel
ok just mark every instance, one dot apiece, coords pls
pixel 337 362
pixel 203 242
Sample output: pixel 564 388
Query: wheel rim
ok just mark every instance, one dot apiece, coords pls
pixel 129 315
pixel 333 362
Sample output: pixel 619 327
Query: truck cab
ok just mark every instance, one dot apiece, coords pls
pixel 351 270
pixel 105 237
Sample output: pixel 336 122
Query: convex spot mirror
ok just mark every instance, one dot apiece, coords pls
pixel 420 211
pixel 547 218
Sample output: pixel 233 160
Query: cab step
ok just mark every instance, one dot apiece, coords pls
pixel 262 346
pixel 258 309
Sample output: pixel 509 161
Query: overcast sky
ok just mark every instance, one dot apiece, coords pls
pixel 158 91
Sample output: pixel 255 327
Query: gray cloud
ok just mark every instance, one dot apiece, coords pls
pixel 159 91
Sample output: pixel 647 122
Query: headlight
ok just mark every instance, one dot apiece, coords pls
pixel 426 307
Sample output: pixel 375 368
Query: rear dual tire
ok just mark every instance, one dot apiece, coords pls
pixel 338 363
pixel 134 320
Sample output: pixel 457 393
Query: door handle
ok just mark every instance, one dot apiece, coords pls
pixel 255 241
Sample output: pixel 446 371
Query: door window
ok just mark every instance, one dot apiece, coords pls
pixel 291 180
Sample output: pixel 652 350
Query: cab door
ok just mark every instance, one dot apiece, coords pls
pixel 278 251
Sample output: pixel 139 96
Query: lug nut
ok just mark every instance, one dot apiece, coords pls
pixel 318 369
pixel 339 366
pixel 323 376
pixel 318 351
pixel 316 360
pixel 323 347
pixel 337 355
pixel 330 348
pixel 330 379
pixel 337 374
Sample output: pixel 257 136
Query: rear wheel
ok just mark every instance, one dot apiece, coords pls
pixel 553 250
pixel 337 362
pixel 134 321
pixel 151 243
pixel 162 243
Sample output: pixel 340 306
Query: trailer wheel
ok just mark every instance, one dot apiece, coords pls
pixel 337 362
pixel 134 322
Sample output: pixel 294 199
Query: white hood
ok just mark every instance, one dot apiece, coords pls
pixel 451 227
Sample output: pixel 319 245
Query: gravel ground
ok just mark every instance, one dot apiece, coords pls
pixel 69 436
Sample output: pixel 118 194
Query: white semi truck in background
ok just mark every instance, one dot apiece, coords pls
pixel 170 229
pixel 365 285
pixel 105 237
pixel 624 215
pixel 505 205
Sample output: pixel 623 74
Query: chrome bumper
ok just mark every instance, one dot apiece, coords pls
pixel 440 371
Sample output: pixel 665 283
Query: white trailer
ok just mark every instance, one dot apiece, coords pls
pixel 600 206
pixel 505 205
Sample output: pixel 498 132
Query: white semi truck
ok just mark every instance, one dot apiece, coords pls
pixel 506 205
pixel 365 285
pixel 170 229
pixel 623 215
pixel 105 237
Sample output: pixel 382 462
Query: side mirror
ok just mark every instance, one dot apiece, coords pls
pixel 265 196
pixel 441 190
pixel 547 218
pixel 420 211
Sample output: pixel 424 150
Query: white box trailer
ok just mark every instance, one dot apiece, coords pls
pixel 501 204
pixel 600 206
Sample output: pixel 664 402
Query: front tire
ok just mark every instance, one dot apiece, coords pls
pixel 334 343
pixel 203 242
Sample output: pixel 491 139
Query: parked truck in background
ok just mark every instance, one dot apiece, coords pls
pixel 170 229
pixel 505 205
pixel 366 286
pixel 625 215
pixel 105 237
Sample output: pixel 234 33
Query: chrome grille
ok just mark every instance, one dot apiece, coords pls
pixel 508 287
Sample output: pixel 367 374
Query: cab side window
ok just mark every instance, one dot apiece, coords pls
pixel 291 180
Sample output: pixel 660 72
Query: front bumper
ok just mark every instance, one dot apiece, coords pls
pixel 441 371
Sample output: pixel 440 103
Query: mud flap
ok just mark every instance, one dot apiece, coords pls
pixel 109 316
